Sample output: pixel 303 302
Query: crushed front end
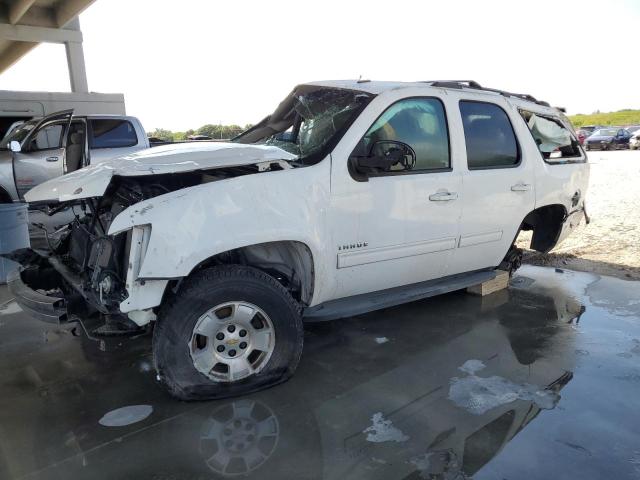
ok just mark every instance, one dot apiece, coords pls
pixel 79 271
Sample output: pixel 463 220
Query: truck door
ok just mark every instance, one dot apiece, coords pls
pixel 42 152
pixel 498 184
pixel 400 225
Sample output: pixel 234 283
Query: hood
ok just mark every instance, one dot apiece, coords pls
pixel 93 180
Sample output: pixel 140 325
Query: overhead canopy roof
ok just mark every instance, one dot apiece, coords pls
pixel 50 14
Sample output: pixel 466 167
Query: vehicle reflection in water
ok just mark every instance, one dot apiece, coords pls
pixel 356 408
pixel 396 419
pixel 239 437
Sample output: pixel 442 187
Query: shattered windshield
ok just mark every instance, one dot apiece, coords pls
pixel 308 120
pixel 18 133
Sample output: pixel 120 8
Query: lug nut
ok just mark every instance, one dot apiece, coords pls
pixel 231 328
pixel 220 348
pixel 220 336
pixel 243 345
pixel 232 353
pixel 243 333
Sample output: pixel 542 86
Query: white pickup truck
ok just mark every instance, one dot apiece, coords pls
pixel 48 147
pixel 351 196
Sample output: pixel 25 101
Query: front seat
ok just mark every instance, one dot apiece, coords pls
pixel 75 149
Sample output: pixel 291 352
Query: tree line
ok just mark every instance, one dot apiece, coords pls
pixel 216 132
pixel 621 118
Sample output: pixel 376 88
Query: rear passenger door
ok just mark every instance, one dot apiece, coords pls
pixel 112 137
pixel 498 184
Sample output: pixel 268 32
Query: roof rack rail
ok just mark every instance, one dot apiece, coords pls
pixel 476 86
pixel 456 84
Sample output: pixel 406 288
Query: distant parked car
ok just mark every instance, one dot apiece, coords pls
pixel 612 138
pixel 634 141
pixel 44 148
pixel 632 128
pixel 591 128
pixel 199 137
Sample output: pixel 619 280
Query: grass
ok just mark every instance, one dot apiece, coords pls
pixel 622 118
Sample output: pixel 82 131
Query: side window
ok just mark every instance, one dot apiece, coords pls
pixel 48 137
pixel 554 140
pixel 107 133
pixel 420 123
pixel 488 135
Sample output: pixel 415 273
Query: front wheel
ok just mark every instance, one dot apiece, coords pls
pixel 230 330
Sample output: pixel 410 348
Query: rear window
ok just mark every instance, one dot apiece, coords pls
pixel 108 133
pixel 489 136
pixel 554 140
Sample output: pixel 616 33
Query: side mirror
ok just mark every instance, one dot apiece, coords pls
pixel 383 155
pixel 14 146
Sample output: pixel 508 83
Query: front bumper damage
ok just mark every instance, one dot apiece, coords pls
pixel 26 286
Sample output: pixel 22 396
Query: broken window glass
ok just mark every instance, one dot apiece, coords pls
pixel 308 120
pixel 554 140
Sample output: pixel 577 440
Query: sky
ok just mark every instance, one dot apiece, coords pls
pixel 183 64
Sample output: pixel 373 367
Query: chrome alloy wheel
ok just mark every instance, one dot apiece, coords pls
pixel 232 341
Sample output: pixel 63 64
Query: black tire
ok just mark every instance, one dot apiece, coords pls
pixel 203 291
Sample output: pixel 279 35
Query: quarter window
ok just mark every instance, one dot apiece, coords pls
pixel 489 136
pixel 552 138
pixel 108 133
pixel 420 123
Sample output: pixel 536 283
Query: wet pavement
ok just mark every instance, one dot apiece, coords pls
pixel 539 381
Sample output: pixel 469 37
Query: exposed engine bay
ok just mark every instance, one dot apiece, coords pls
pixel 85 263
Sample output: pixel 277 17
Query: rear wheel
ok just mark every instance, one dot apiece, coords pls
pixel 230 330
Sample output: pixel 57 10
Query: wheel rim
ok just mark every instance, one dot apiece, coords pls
pixel 232 341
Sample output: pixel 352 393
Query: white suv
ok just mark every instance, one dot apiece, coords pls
pixel 351 196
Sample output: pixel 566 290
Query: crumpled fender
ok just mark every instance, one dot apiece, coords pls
pixel 190 225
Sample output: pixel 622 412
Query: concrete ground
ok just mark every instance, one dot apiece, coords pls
pixel 610 244
pixel 539 381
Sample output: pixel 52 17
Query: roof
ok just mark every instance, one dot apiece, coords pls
pixel 55 14
pixel 376 87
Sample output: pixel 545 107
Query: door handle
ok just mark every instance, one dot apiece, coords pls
pixel 443 196
pixel 52 159
pixel 521 187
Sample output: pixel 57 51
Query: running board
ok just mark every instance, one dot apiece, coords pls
pixel 368 302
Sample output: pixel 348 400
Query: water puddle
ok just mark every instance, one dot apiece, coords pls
pixel 478 395
pixel 9 308
pixel 121 417
pixel 383 431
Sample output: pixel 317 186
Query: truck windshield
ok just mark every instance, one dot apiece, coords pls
pixel 17 133
pixel 308 120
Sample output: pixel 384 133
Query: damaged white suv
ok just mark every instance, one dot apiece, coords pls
pixel 351 196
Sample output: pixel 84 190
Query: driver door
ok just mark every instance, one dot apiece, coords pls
pixel 42 152
pixel 399 225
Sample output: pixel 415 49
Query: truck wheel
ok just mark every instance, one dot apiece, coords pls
pixel 230 330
